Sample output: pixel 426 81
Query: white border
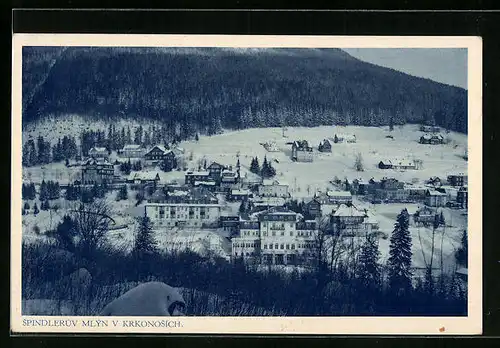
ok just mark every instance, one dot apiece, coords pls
pixel 472 324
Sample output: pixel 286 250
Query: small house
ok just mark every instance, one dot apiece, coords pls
pixel 424 216
pixel 301 151
pixel 145 178
pixel 98 152
pixel 429 129
pixel 271 146
pixel 398 164
pixel 344 138
pixel 435 198
pixel 432 139
pixel 325 146
pixel 97 171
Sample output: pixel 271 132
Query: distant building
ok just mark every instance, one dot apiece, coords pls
pixel 349 221
pixel 391 189
pixel 435 198
pixel 97 171
pixel 146 178
pixel 424 216
pixel 360 187
pixel 301 151
pixel 334 197
pixel 459 179
pixel 276 237
pixel 215 170
pixel 229 180
pixel 190 177
pixel 271 146
pixel 194 208
pixel 344 138
pixel 273 188
pixel 132 151
pixel 429 129
pixel 208 185
pixel 98 153
pixel 230 224
pixel 462 197
pixel 416 192
pixel 398 164
pixel 155 155
pixel 325 146
pixel 240 195
pixel 432 139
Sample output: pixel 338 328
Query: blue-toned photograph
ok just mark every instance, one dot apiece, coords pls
pixel 300 182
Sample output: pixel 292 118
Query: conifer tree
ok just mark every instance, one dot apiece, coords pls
pixel 197 137
pixel 399 263
pixel 145 242
pixel 35 209
pixel 462 252
pixel 123 193
pixel 254 166
pixel 369 269
pixel 45 205
pixel 44 194
pixel 26 206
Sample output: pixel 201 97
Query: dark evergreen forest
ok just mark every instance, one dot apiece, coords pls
pixel 207 89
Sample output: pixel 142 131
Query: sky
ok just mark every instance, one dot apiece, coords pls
pixel 445 65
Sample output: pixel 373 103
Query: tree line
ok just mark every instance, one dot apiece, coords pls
pixel 303 88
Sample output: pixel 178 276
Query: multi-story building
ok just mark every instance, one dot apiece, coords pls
pixel 435 198
pixel 334 197
pixel 462 197
pixel 194 208
pixel 432 139
pixel 132 151
pixel 275 236
pixel 459 179
pixel 273 188
pixel 215 170
pixel 350 221
pixel 190 177
pixel 97 171
pixel 301 151
pixel 98 153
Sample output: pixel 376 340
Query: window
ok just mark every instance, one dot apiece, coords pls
pixel 264 234
pixel 265 246
pixel 291 233
pixel 282 246
pixel 282 233
pixel 270 246
pixel 293 246
pixel 291 224
pixel 288 246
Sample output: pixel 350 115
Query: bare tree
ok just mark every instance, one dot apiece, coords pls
pixel 91 225
pixel 358 163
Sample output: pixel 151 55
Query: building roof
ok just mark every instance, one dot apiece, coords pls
pixel 132 147
pixel 201 173
pixel 344 210
pixel 428 136
pixel 240 192
pixel 435 193
pixel 96 161
pixel 161 147
pixel 338 194
pixel 206 183
pixel 98 149
pixel 399 162
pixel 145 176
pixel 302 145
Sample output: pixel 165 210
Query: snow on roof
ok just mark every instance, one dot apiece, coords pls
pixel 436 193
pixel 198 173
pixel 131 147
pixel 399 162
pixel 207 183
pixel 339 194
pixel 344 210
pixel 240 192
pixel 98 149
pixel 146 175
pixel 370 219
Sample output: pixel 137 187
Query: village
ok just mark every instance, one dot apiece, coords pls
pixel 266 206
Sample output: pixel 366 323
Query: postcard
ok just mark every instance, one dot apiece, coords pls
pixel 218 184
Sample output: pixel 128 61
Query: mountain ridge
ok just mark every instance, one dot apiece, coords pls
pixel 206 89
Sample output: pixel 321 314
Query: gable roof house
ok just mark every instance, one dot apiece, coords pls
pixel 155 154
pixel 435 198
pixel 98 152
pixel 424 216
pixel 325 146
pixel 301 151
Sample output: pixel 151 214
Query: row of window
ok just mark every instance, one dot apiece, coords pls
pixel 273 233
pixel 182 216
pixel 275 246
pixel 174 208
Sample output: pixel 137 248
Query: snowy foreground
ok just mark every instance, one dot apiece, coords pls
pixel 303 178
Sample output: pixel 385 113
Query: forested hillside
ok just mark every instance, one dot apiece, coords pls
pixel 207 89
